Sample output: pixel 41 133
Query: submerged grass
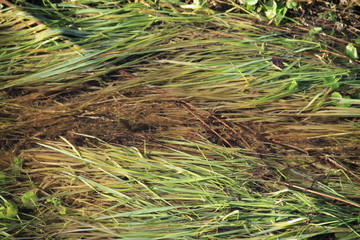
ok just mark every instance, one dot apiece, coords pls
pixel 290 92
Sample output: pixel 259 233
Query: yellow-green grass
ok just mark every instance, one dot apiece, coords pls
pixel 223 63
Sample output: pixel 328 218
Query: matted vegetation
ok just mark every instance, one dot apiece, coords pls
pixel 172 120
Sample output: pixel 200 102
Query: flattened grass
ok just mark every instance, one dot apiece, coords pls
pixel 221 59
pixel 207 191
pixel 222 63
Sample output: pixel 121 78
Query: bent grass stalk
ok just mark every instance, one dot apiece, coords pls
pixel 193 189
pixel 175 193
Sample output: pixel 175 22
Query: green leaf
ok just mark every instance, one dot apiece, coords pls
pixel 315 30
pixel 332 82
pixel 280 14
pixel 337 97
pixel 9 210
pixel 29 199
pixel 251 7
pixel 357 40
pixel 271 7
pixel 293 85
pixel 63 210
pixel 291 4
pixel 251 2
pixel 351 51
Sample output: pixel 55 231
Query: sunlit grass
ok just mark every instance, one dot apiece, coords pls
pixel 208 191
pixel 222 63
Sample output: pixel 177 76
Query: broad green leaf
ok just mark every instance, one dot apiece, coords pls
pixel 337 99
pixel 63 210
pixel 351 51
pixel 336 95
pixel 251 2
pixel 293 85
pixel 8 210
pixel 271 7
pixel 357 40
pixel 315 30
pixel 251 7
pixel 29 199
pixel 280 14
pixel 291 4
pixel 332 82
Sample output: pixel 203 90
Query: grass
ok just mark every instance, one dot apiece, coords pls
pixel 207 191
pixel 213 126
